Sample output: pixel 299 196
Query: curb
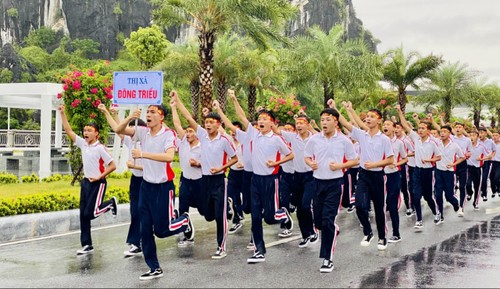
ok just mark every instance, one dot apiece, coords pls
pixel 30 226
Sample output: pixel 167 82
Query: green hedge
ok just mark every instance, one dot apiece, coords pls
pixel 49 202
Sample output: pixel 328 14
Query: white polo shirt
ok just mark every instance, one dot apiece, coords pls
pixel 156 172
pixel 246 149
pixel 94 157
pixel 496 158
pixel 337 149
pixel 373 149
pixel 129 143
pixel 214 152
pixel 479 150
pixel 297 144
pixel 239 152
pixel 463 142
pixel 264 148
pixel 187 152
pixel 410 148
pixel 399 153
pixel 424 150
pixel 449 154
pixel 488 144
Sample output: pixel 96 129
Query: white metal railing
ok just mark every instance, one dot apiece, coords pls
pixel 31 138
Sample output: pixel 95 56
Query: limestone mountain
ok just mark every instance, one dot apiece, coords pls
pixel 110 21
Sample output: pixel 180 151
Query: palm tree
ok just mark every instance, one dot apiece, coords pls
pixel 449 86
pixel 477 95
pixel 402 71
pixel 227 50
pixel 260 20
pixel 326 60
pixel 181 65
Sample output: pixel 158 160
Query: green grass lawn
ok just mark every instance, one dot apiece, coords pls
pixel 12 191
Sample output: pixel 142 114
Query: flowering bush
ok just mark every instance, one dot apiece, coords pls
pixel 285 108
pixel 83 92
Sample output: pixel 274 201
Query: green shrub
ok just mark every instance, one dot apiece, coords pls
pixel 6 178
pixel 124 175
pixel 50 202
pixel 30 179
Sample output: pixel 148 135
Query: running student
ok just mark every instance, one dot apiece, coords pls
pixel 156 197
pixel 217 154
pixel 451 157
pixel 269 151
pixel 135 166
pixel 426 154
pixel 97 164
pixel 302 180
pixel 479 154
pixel 486 168
pixel 189 158
pixel 329 154
pixel 376 153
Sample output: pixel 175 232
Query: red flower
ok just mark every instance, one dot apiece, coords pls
pixel 96 102
pixel 383 101
pixel 295 103
pixel 94 90
pixel 65 87
pixel 91 73
pixel 290 113
pixel 77 85
pixel 75 103
pixel 59 96
pixel 109 96
pixel 77 74
pixel 92 115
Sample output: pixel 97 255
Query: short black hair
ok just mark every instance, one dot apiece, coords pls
pixel 447 127
pixel 94 125
pixel 303 116
pixel 376 111
pixel 160 107
pixel 482 128
pixel 237 124
pixel 290 124
pixel 331 111
pixel 213 115
pixel 268 112
pixel 140 122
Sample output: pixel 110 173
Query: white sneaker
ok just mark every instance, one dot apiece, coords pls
pixel 460 212
pixel 285 233
pixel 133 251
pixel 367 240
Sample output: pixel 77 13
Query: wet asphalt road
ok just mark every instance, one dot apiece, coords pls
pixel 462 252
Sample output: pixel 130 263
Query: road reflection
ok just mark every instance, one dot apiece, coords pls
pixel 469 259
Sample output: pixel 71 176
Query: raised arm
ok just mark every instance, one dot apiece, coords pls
pixel 192 123
pixel 433 122
pixel 239 111
pixel 113 123
pixel 344 122
pixel 223 116
pixel 124 128
pixel 176 120
pixel 65 123
pixel 354 116
pixel 402 119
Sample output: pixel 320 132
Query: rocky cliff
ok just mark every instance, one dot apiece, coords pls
pixel 106 21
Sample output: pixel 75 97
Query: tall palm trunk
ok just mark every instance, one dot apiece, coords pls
pixel 327 93
pixel 221 93
pixel 206 53
pixel 498 117
pixel 402 99
pixel 252 99
pixel 194 86
pixel 476 112
pixel 447 106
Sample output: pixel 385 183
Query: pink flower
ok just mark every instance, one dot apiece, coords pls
pixel 75 103
pixel 59 96
pixel 92 115
pixel 91 72
pixel 88 98
pixel 77 85
pixel 281 101
pixel 77 74
pixel 383 101
pixel 96 102
pixel 109 96
pixel 107 90
pixel 94 90
pixel 296 103
pixel 290 113
pixel 107 62
pixel 65 87
pixel 304 108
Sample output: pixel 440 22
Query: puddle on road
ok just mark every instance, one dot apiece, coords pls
pixel 469 259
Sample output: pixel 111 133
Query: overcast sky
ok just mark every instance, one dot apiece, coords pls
pixel 459 30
